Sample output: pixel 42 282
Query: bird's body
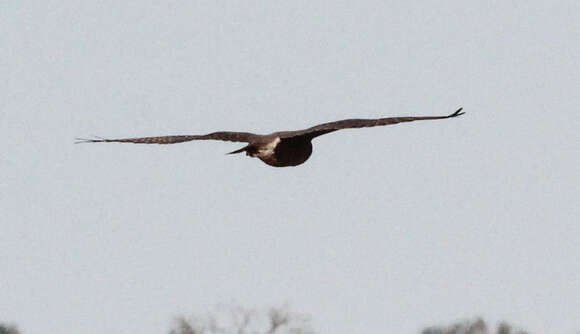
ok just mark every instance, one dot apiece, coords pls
pixel 278 149
pixel 284 153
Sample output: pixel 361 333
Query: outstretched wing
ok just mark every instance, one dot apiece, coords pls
pixel 325 128
pixel 223 135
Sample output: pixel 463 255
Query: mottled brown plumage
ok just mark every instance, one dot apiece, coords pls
pixel 278 149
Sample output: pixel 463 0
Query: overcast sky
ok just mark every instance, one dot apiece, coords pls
pixel 382 230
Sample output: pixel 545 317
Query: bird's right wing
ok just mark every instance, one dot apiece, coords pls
pixel 222 135
pixel 324 128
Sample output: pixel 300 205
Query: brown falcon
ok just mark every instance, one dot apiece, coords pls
pixel 278 149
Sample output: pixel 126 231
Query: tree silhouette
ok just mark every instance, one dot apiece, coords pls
pixel 477 326
pixel 238 320
pixel 8 329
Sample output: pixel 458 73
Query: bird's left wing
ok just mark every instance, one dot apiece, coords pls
pixel 360 123
pixel 222 135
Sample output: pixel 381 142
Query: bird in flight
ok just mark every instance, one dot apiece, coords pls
pixel 278 149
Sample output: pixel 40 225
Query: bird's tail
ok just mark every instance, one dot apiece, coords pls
pixel 243 149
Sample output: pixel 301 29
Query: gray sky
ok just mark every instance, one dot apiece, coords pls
pixel 383 230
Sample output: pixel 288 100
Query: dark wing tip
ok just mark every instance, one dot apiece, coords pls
pixel 457 113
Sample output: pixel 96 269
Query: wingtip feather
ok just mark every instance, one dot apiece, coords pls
pixel 458 112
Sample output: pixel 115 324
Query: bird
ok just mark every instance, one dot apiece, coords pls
pixel 278 149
